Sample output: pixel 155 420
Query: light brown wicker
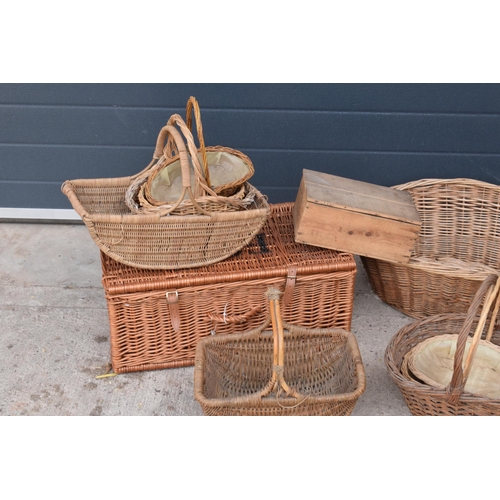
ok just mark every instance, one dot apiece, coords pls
pixel 299 371
pixel 194 197
pixel 425 399
pixel 206 171
pixel 229 188
pixel 157 316
pixel 457 248
pixel 190 233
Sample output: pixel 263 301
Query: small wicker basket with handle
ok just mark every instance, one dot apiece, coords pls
pixel 289 371
pixel 425 396
pixel 189 193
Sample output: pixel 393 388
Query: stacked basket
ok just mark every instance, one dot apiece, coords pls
pixel 199 227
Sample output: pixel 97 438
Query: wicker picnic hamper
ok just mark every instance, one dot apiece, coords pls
pixel 457 248
pixel 188 234
pixel 157 317
pixel 427 397
pixel 299 371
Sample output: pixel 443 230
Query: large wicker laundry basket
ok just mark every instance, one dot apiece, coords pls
pixel 457 248
pixel 424 398
pixel 287 371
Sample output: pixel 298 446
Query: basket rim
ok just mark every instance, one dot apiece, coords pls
pixel 243 401
pixel 68 189
pixel 431 181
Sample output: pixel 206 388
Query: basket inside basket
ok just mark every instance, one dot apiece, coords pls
pixel 225 169
pixel 433 365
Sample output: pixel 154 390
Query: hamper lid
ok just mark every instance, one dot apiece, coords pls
pixel 270 254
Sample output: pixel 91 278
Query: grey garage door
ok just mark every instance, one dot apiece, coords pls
pixel 380 133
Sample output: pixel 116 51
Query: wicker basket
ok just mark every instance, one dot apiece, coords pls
pixel 214 178
pixel 262 373
pixel 425 399
pixel 211 168
pixel 157 317
pixel 190 233
pixel 457 248
pixel 190 194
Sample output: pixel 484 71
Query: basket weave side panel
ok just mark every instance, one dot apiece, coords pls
pixel 327 409
pixel 230 370
pixel 154 242
pixel 418 292
pixel 459 220
pixel 98 196
pixel 155 246
pixel 142 336
pixel 421 398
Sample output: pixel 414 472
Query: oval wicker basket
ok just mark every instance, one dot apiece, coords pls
pixel 153 241
pixel 194 231
pixel 435 399
pixel 457 248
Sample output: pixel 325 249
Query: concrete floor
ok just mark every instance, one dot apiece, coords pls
pixel 55 336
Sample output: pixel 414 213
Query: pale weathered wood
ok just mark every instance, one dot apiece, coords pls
pixel 359 196
pixel 356 217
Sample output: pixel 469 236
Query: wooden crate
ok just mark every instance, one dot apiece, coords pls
pixel 353 216
pixel 157 317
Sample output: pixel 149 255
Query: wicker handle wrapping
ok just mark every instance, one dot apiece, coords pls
pixel 170 132
pixel 487 294
pixel 203 186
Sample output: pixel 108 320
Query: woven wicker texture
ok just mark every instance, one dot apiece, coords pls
pixel 229 187
pixel 457 248
pixel 275 373
pixel 190 193
pixel 424 399
pixel 224 297
pixel 152 241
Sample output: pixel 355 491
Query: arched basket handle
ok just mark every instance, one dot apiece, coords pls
pixel 170 134
pixel 192 106
pixel 485 298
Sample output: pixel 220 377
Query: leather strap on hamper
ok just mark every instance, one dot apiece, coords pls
pixel 173 306
pixel 289 286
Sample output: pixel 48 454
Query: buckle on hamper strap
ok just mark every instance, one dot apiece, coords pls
pixel 173 306
pixel 171 301
pixel 289 286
